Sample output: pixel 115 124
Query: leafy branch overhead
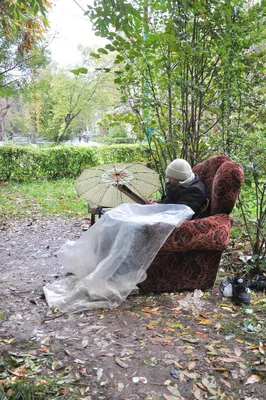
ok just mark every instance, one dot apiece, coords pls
pixel 23 26
pixel 187 71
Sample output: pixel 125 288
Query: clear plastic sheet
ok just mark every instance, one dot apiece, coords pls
pixel 113 255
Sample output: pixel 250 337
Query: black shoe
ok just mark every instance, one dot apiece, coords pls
pixel 241 292
pixel 257 283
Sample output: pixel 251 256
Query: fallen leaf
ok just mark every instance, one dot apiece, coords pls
pixel 220 369
pixel 261 369
pixel 7 341
pixel 210 384
pixel 20 371
pixel 252 347
pixel 227 309
pixel 253 379
pixel 191 365
pixel 191 375
pixel 78 361
pixel 261 348
pixel 139 379
pixel 239 340
pixel 167 397
pixel 120 386
pixel 203 321
pixel 149 362
pixel 190 339
pixel 175 325
pixel 45 349
pixel 203 314
pixel 226 383
pixel 173 390
pixel 237 351
pixel 229 359
pixel 67 352
pixel 176 310
pixel 42 382
pixel 218 326
pixel 259 362
pixel 99 373
pixel 45 341
pixel 197 392
pixel 181 376
pixel 202 335
pixel 201 386
pixel 177 364
pixel 168 330
pixel 153 311
pixel 121 363
pixel 166 341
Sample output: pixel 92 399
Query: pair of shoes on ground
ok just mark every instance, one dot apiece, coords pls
pixel 236 288
pixel 240 289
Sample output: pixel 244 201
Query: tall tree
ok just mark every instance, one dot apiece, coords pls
pixel 71 100
pixel 22 28
pixel 5 105
pixel 186 69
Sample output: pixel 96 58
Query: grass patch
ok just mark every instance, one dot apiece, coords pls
pixel 28 377
pixel 41 391
pixel 46 198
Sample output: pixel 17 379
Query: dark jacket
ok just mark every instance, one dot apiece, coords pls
pixel 192 194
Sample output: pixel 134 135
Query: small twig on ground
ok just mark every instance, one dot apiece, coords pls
pixel 51 318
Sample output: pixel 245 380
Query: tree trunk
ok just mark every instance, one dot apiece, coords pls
pixel 2 133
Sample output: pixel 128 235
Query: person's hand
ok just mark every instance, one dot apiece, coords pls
pixel 151 201
pixel 93 210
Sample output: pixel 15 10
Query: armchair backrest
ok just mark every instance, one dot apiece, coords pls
pixel 223 179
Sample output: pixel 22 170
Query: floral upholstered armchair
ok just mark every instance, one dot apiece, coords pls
pixel 190 257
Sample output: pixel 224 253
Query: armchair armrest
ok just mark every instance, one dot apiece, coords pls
pixel 210 233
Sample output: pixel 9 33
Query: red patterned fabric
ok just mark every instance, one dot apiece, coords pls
pixel 223 179
pixel 190 257
pixel 210 233
pixel 182 271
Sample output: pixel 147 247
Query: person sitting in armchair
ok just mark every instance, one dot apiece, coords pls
pixel 183 187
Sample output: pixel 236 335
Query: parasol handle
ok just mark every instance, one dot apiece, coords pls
pixel 133 196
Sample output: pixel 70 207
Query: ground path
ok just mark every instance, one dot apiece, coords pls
pixel 190 346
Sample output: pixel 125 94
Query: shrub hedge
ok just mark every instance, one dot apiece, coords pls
pixel 20 163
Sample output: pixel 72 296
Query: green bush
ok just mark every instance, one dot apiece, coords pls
pixel 26 163
pixel 109 140
pixel 21 163
pixel 123 153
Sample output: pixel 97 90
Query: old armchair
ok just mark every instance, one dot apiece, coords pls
pixel 190 257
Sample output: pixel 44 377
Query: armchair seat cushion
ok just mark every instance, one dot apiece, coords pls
pixel 210 233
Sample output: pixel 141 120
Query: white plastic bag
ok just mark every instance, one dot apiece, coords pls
pixel 113 255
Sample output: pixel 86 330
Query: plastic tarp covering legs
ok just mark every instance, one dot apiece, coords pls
pixel 112 257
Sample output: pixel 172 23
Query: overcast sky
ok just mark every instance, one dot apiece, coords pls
pixel 71 27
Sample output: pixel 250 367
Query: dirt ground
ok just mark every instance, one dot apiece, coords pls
pixel 169 346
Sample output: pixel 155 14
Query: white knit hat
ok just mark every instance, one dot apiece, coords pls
pixel 179 169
